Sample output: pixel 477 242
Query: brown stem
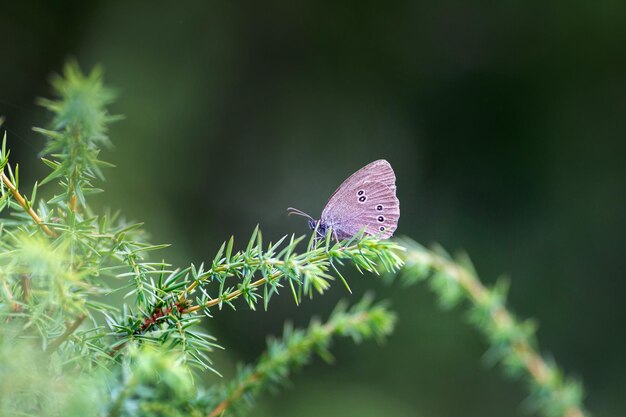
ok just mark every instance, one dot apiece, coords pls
pixel 149 321
pixel 230 296
pixel 15 307
pixel 22 202
pixel 68 331
pixel 25 283
pixel 221 407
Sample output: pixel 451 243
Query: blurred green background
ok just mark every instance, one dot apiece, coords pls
pixel 505 123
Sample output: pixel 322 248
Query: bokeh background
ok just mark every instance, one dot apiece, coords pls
pixel 505 123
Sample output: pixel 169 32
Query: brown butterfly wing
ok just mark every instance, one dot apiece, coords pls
pixel 379 169
pixel 367 199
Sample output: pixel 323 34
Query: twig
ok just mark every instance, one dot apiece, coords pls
pixel 184 301
pixel 25 284
pixel 309 269
pixel 479 295
pixel 68 331
pixel 22 202
pixel 221 407
pixel 232 295
pixel 259 375
pixel 15 307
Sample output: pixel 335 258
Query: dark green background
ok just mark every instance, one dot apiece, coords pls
pixel 505 123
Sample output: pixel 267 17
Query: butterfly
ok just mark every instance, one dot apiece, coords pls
pixel 365 201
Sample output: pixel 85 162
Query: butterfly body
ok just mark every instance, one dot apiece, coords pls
pixel 365 201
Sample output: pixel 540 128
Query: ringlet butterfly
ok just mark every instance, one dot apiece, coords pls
pixel 365 201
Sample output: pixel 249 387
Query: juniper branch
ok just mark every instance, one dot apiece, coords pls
pixel 308 269
pixel 77 132
pixel 295 349
pixel 21 200
pixel 259 273
pixel 512 341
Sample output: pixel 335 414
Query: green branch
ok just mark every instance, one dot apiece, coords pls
pixel 304 272
pixel 77 132
pixel 512 341
pixel 255 275
pixel 295 350
pixel 10 181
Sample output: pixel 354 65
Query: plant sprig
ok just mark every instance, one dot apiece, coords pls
pixel 512 342
pixel 258 275
pixel 305 273
pixel 77 133
pixel 10 181
pixel 294 350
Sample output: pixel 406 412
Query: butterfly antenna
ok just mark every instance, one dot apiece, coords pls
pixel 291 210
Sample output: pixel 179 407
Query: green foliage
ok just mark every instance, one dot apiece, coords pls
pixel 153 382
pixel 77 132
pixel 65 350
pixel 294 350
pixel 35 384
pixel 512 343
pixel 68 351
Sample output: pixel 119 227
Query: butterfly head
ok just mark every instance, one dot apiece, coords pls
pixel 322 228
pixel 318 225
